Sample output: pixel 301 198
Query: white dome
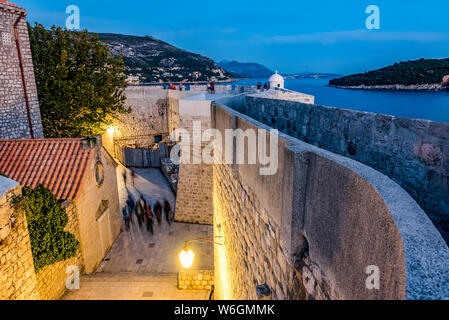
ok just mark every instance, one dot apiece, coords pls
pixel 276 81
pixel 276 78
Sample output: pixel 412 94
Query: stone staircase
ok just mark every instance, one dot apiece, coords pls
pixel 132 286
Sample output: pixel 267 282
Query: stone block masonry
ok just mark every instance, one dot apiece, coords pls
pixel 14 122
pixel 149 118
pixel 314 228
pixel 18 280
pixel 414 153
pixel 196 279
pixel 194 197
pixel 17 277
pixel 154 112
pixel 252 253
pixel 51 280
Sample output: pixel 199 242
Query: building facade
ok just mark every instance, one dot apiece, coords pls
pixel 82 175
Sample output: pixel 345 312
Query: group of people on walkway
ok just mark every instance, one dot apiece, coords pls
pixel 146 213
pixel 266 86
pixel 181 87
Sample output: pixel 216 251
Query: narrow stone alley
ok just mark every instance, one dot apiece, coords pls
pixel 141 265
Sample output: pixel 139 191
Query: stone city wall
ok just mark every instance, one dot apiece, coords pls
pixel 196 279
pixel 311 230
pixel 414 153
pixel 18 280
pixel 17 277
pixel 51 280
pixel 155 111
pixel 13 114
pixel 148 119
pixel 194 197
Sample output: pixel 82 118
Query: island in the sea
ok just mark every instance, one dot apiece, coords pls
pixel 423 74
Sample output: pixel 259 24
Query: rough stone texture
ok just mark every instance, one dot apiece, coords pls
pixel 251 253
pixel 51 280
pixel 13 115
pixel 195 279
pixel 148 119
pixel 194 201
pixel 194 197
pixel 331 219
pixel 173 101
pixel 344 232
pixel 414 153
pixel 17 278
pixel 155 111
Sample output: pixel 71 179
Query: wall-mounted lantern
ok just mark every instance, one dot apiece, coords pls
pixel 186 256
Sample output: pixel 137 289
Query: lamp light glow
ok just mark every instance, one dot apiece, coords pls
pixel 186 257
pixel 110 130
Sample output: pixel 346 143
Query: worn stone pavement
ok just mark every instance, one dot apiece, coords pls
pixel 144 266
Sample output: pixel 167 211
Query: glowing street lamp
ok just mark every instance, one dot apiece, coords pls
pixel 187 255
pixel 111 131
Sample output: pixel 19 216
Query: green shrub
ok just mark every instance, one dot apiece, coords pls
pixel 46 222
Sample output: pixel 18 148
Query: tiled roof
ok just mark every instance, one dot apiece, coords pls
pixel 59 164
pixel 9 4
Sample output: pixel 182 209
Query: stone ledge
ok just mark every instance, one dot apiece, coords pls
pixel 196 279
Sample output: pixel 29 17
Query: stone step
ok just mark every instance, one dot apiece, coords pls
pixel 132 286
pixel 129 277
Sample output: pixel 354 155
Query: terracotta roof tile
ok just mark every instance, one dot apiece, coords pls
pixel 59 164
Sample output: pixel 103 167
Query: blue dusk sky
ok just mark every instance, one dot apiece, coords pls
pixel 292 36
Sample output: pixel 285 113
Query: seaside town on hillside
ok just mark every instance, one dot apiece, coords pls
pixel 131 169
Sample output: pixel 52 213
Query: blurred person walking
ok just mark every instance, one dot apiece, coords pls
pixel 168 212
pixel 149 217
pixel 125 213
pixel 158 212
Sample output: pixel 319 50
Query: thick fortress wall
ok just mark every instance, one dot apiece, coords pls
pixel 316 228
pixel 414 153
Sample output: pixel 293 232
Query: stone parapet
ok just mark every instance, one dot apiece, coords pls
pixel 412 152
pixel 318 227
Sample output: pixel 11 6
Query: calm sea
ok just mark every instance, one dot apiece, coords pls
pixel 411 104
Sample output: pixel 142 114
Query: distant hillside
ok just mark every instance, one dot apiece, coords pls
pixel 246 70
pixel 151 60
pixel 419 72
